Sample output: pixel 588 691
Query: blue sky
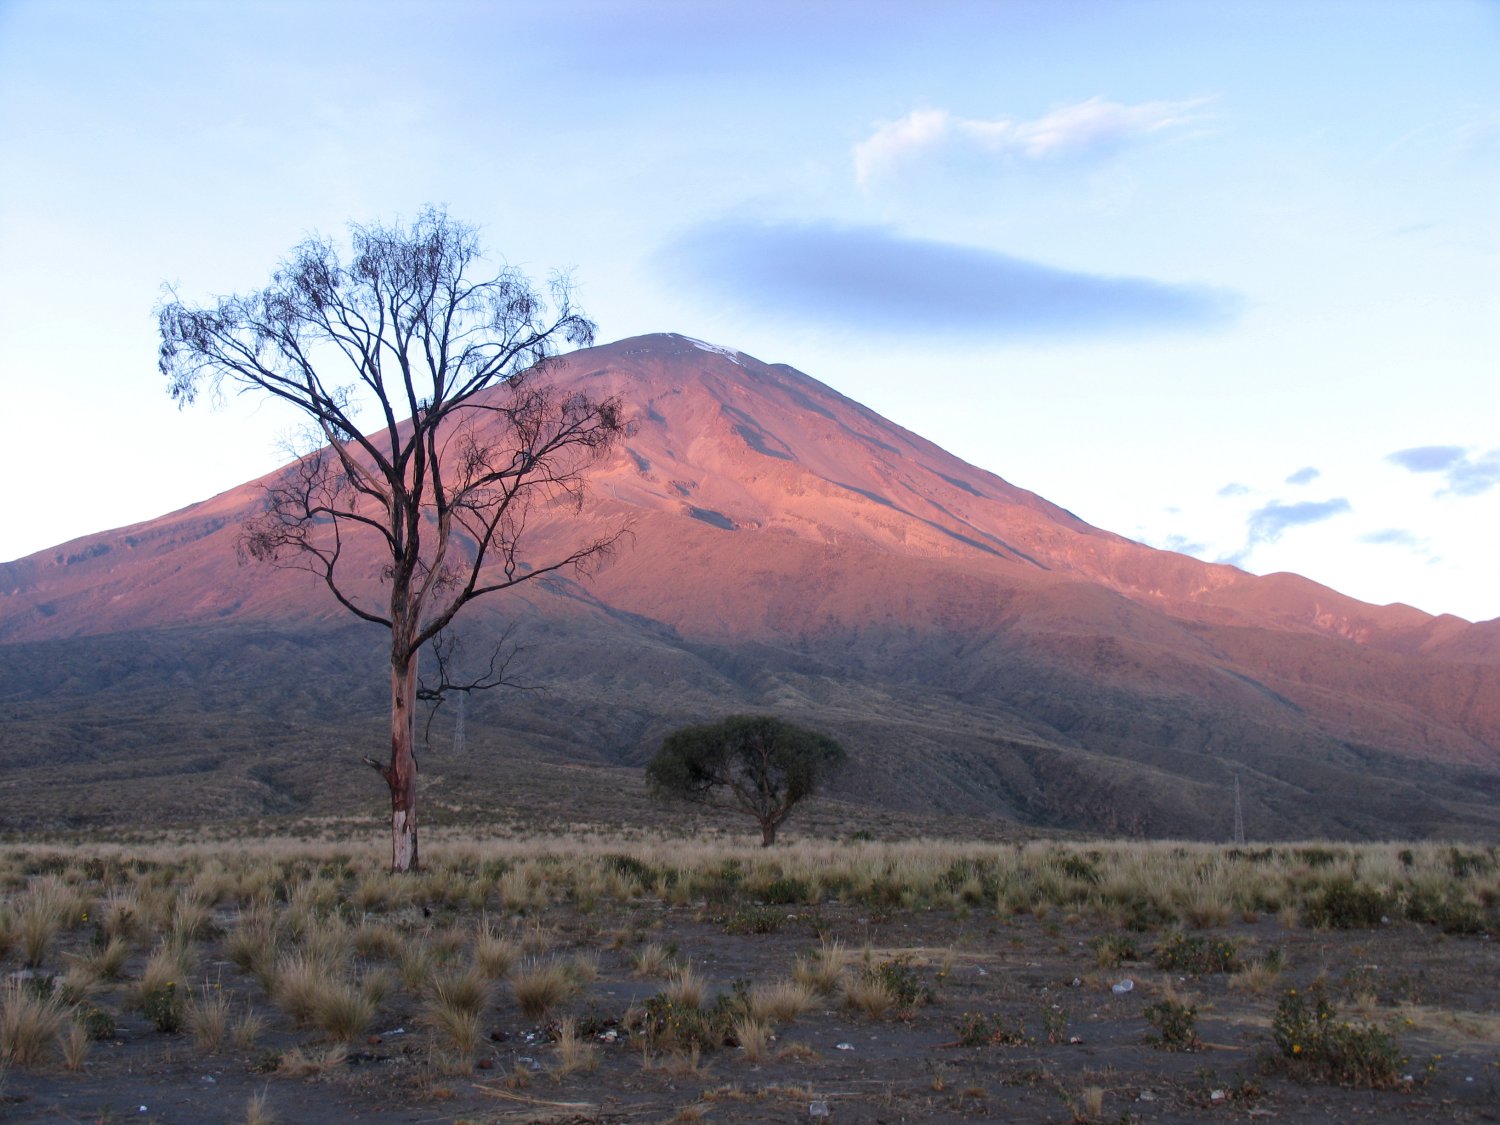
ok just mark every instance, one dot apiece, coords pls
pixel 1223 277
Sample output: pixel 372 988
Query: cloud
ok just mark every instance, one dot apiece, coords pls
pixel 874 281
pixel 1394 536
pixel 1466 474
pixel 1234 488
pixel 1185 546
pixel 1473 475
pixel 1267 523
pixel 1427 458
pixel 1086 130
pixel 1304 476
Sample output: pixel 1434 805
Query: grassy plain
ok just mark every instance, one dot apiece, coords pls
pixel 598 976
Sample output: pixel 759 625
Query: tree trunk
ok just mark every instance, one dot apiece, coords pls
pixel 767 833
pixel 401 774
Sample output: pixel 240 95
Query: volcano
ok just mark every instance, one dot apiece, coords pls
pixel 981 652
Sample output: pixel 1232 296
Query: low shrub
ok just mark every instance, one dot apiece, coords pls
pixel 786 890
pixel 673 1024
pixel 975 1029
pixel 901 979
pixel 162 1008
pixel 1174 1024
pixel 1111 950
pixel 750 920
pixel 1311 1042
pixel 1343 904
pixel 1196 955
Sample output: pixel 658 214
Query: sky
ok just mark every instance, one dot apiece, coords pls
pixel 1221 277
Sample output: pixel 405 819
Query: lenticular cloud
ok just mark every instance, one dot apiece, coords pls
pixel 873 281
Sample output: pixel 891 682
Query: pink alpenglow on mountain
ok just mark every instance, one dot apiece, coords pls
pixel 979 650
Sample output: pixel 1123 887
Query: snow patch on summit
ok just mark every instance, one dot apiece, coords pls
pixel 717 349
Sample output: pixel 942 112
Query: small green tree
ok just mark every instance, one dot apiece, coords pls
pixel 752 764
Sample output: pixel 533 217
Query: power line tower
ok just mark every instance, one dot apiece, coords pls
pixel 1239 813
pixel 458 725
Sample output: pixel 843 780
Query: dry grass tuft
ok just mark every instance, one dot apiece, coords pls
pixel 574 1052
pixel 245 1032
pixel 754 1037
pixel 468 990
pixel 171 965
pixel 298 986
pixel 416 965
pixel 251 945
pixel 459 1027
pixel 377 941
pixel 540 987
pixel 304 1062
pixel 107 961
pixel 207 1017
pixel 75 1044
pixel 686 988
pixel 192 919
pixel 343 1010
pixel 781 1002
pixel 455 1005
pixel 1257 976
pixel 119 914
pixel 29 1023
pixel 822 970
pixel 258 1110
pixel 494 954
pixel 868 994
pixel 651 960
pixel 1091 1103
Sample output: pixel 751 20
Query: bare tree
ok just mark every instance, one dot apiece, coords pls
pixel 471 440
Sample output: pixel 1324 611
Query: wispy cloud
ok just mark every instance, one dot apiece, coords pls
pixel 1304 475
pixel 1465 474
pixel 1267 523
pixel 1392 536
pixel 1185 546
pixel 1234 488
pixel 1085 130
pixel 875 281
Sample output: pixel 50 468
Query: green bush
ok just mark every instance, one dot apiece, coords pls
pixel 975 1029
pixel 1111 950
pixel 750 920
pixel 1313 1043
pixel 901 979
pixel 631 868
pixel 1143 914
pixel 1078 867
pixel 163 1008
pixel 1175 1025
pixel 96 1022
pixel 1463 864
pixel 1320 857
pixel 1343 904
pixel 677 1025
pixel 1197 955
pixel 786 890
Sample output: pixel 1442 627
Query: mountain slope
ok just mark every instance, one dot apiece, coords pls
pixel 981 651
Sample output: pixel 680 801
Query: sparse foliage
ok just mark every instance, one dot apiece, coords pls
pixel 1312 1042
pixel 754 764
pixel 470 437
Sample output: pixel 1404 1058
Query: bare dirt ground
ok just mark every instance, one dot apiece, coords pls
pixel 1065 1045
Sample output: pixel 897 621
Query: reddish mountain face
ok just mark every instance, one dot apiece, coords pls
pixel 989 651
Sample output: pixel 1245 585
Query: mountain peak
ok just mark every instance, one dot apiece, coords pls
pixel 790 550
